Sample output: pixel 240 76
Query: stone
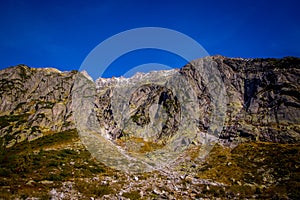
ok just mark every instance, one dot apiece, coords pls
pixel 31 183
pixel 46 182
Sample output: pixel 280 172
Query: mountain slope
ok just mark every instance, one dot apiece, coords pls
pixel 255 154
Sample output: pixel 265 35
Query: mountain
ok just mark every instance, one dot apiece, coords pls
pixel 262 96
pixel 216 128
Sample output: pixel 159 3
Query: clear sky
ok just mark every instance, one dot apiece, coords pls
pixel 61 33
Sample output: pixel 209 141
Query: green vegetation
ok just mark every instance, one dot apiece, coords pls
pixel 28 161
pixel 253 169
pixel 263 169
pixel 133 195
pixel 7 119
pixel 138 145
pixel 48 140
pixel 55 165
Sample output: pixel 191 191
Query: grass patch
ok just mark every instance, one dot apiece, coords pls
pixel 138 145
pixel 133 195
pixel 255 168
pixel 27 161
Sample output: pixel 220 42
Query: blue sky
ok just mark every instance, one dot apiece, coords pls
pixel 60 34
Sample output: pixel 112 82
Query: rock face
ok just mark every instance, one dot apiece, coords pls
pixel 264 98
pixel 262 101
pixel 149 109
pixel 34 102
pixel 147 95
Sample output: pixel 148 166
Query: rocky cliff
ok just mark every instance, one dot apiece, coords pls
pixel 249 109
pixel 34 102
pixel 263 98
pixel 262 101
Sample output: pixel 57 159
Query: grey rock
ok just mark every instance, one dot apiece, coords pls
pixel 262 101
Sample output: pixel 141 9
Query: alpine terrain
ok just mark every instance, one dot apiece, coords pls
pixel 218 128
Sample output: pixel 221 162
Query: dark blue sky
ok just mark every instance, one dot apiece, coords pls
pixel 61 33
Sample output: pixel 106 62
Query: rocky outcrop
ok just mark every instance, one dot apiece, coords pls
pixel 34 102
pixel 262 101
pixel 262 98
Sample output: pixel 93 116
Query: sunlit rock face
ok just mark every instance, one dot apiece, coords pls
pixel 262 101
pixel 34 102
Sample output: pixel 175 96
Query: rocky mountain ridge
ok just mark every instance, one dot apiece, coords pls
pixel 251 116
pixel 263 99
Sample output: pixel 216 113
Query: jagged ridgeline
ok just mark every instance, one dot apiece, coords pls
pixel 263 101
pixel 158 112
